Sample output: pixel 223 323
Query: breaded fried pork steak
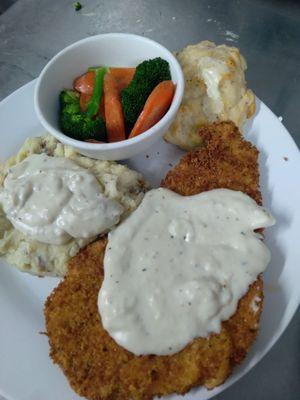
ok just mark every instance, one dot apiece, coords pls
pixel 99 369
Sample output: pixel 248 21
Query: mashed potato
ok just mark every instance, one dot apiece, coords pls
pixel 116 182
pixel 215 90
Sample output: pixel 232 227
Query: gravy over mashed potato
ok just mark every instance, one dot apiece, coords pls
pixel 215 90
pixel 116 182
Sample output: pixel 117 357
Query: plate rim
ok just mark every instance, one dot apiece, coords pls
pixel 293 306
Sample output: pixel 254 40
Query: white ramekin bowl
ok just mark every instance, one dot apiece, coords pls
pixel 112 49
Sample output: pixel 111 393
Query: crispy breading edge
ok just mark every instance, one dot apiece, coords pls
pixel 94 364
pixel 225 161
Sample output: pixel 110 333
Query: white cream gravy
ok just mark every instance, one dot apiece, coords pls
pixel 177 267
pixel 52 200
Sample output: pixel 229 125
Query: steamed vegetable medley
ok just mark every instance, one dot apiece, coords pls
pixel 114 104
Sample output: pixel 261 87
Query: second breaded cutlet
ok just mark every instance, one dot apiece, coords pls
pixel 99 369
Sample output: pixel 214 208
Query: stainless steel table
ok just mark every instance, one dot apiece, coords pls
pixel 268 34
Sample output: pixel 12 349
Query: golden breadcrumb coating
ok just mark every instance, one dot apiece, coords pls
pixel 99 369
pixel 225 161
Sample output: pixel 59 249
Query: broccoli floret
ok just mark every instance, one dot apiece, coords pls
pixel 148 75
pixel 72 108
pixel 68 97
pixel 82 127
pixel 152 72
pixel 75 123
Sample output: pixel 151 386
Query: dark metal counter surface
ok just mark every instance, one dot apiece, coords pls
pixel 268 35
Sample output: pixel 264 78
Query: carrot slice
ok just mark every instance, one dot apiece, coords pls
pixel 123 76
pixel 155 107
pixel 120 72
pixel 114 117
pixel 84 100
pixel 85 83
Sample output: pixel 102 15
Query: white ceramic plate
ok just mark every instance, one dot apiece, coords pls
pixel 26 372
